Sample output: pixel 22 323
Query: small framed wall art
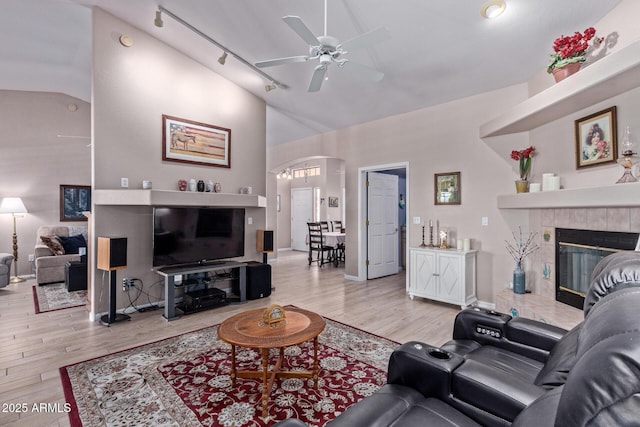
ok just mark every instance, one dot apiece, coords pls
pixel 198 143
pixel 447 188
pixel 596 139
pixel 74 199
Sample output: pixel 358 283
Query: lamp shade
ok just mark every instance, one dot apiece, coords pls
pixel 12 205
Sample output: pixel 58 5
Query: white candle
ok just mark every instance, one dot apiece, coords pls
pixel 467 245
pixel 555 183
pixel 546 181
pixel 459 244
pixel 534 187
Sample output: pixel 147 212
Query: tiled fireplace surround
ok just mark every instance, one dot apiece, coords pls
pixel 540 304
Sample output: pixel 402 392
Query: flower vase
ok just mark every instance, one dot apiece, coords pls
pixel 562 73
pixel 522 186
pixel 518 279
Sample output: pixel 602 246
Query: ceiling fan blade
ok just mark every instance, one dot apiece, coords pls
pixel 280 61
pixel 366 39
pixel 364 71
pixel 317 78
pixel 302 30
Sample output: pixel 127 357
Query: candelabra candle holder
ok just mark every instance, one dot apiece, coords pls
pixel 423 245
pixel 431 245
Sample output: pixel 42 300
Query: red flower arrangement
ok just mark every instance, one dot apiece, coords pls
pixel 568 49
pixel 524 159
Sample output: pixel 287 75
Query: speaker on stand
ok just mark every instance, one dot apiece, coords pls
pixel 264 243
pixel 112 256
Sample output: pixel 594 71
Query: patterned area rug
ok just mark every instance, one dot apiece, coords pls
pixel 184 381
pixel 55 297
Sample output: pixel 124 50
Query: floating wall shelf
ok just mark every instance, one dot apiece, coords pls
pixel 612 75
pixel 176 198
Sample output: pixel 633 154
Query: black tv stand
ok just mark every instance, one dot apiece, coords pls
pixel 169 274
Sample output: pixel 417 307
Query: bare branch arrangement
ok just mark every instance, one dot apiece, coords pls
pixel 522 247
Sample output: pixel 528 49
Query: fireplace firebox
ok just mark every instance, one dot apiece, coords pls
pixel 578 252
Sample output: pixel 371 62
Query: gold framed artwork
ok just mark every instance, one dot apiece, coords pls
pixel 74 199
pixel 447 188
pixel 198 143
pixel 596 139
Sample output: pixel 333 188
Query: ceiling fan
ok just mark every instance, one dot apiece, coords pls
pixel 326 49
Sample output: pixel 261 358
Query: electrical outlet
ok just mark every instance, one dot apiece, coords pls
pixel 127 282
pixel 124 182
pixel 32 257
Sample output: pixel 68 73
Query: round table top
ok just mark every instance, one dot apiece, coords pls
pixel 247 329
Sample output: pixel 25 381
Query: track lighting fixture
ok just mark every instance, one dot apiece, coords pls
pixel 158 21
pixel 270 87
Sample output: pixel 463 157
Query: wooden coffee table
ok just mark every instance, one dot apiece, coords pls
pixel 248 330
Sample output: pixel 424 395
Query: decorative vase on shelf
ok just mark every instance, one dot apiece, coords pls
pixel 561 73
pixel 518 279
pixel 522 186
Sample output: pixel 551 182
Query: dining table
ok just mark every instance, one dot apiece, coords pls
pixel 333 238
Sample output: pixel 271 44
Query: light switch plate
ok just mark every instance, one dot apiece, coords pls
pixel 485 220
pixel 124 182
pixel 416 220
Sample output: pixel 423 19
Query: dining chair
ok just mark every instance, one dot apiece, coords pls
pixel 336 225
pixel 324 225
pixel 317 245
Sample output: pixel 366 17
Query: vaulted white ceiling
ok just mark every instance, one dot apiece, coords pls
pixel 438 50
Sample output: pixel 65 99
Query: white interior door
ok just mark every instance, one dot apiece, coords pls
pixel 382 230
pixel 301 213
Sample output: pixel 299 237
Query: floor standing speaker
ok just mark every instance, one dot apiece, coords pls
pixel 112 256
pixel 264 243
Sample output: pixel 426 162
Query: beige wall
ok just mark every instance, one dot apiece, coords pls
pixel 440 139
pixel 34 161
pixel 445 138
pixel 132 88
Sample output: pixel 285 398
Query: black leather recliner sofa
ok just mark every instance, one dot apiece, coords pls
pixel 501 371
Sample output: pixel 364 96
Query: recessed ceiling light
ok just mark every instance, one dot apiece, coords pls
pixel 126 41
pixel 493 9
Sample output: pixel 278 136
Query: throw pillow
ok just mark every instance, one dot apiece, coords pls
pixel 72 244
pixel 54 244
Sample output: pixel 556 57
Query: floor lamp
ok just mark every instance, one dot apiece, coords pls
pixel 14 205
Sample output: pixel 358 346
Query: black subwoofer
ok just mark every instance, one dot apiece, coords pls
pixel 258 280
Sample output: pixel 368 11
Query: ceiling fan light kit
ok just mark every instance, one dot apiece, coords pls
pixel 493 9
pixel 327 49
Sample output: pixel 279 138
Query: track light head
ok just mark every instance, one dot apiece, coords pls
pixel 223 58
pixel 158 21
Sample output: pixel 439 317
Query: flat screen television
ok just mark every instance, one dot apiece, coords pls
pixel 196 235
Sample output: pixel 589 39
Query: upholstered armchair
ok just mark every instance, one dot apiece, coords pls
pixel 5 269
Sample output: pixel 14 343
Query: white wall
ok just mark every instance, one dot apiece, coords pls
pixel 132 88
pixel 35 161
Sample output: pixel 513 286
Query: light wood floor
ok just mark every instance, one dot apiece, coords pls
pixel 33 346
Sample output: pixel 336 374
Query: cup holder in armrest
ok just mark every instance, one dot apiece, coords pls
pixel 439 354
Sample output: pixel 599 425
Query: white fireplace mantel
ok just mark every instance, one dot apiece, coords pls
pixel 617 195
